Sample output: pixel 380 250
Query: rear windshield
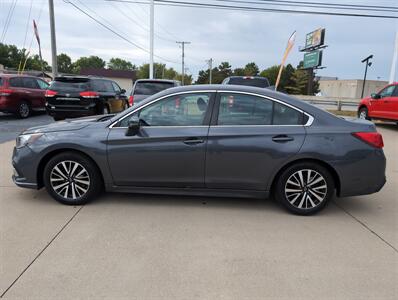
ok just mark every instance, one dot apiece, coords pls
pixel 257 82
pixel 151 88
pixel 77 85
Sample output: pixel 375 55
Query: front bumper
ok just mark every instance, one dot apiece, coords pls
pixel 25 168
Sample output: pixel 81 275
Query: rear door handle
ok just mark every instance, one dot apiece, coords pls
pixel 282 138
pixel 193 141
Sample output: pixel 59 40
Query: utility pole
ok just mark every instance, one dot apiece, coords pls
pixel 394 59
pixel 151 39
pixel 368 64
pixel 183 56
pixel 53 40
pixel 210 62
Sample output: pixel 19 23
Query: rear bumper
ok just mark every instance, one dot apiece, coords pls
pixel 7 105
pixel 71 111
pixel 362 176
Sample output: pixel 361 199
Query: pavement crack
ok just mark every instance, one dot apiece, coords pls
pixel 41 252
pixel 366 227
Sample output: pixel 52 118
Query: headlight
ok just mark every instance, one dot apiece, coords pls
pixel 27 139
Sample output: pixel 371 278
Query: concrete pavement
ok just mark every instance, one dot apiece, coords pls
pixel 159 247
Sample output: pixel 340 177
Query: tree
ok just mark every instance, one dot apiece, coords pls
pixel 239 72
pixel 299 82
pixel 10 56
pixel 160 71
pixel 88 62
pixel 116 63
pixel 64 63
pixel 251 69
pixel 34 63
pixel 271 74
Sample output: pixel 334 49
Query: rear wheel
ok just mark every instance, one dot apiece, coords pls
pixel 363 113
pixel 23 110
pixel 304 188
pixel 71 178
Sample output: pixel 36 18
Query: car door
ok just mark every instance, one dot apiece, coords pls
pixel 391 105
pixel 33 92
pixel 169 149
pixel 249 138
pixel 379 107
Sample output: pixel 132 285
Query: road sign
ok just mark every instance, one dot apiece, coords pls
pixel 312 59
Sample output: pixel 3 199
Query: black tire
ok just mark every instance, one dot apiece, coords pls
pixel 363 113
pixel 68 159
pixel 24 110
pixel 291 198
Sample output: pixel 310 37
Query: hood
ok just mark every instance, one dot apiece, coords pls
pixel 67 125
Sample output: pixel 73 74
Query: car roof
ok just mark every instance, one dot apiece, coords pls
pixel 71 77
pixel 248 76
pixel 17 75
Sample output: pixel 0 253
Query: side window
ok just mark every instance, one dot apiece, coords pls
pixel 116 87
pixel 179 110
pixel 387 92
pixel 395 93
pixel 16 82
pixel 240 109
pixel 98 85
pixel 108 86
pixel 30 83
pixel 42 84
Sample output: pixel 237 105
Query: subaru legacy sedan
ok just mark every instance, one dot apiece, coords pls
pixel 218 140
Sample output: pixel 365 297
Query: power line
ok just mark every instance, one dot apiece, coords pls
pixel 257 9
pixel 314 5
pixel 8 20
pixel 115 32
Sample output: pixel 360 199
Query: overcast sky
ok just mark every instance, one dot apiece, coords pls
pixel 235 36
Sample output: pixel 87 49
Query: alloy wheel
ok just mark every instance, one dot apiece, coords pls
pixel 24 110
pixel 70 180
pixel 306 189
pixel 363 115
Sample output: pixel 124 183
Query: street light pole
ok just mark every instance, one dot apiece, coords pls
pixel 53 39
pixel 368 63
pixel 151 39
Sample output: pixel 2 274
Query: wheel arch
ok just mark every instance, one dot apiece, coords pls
pixel 43 162
pixel 322 163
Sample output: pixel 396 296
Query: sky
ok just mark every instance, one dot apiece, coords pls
pixel 238 37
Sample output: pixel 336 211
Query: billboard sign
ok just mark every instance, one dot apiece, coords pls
pixel 315 38
pixel 312 59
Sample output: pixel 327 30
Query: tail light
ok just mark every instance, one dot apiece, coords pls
pixel 5 92
pixel 131 100
pixel 374 139
pixel 50 93
pixel 89 94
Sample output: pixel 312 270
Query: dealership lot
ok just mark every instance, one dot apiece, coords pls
pixel 152 247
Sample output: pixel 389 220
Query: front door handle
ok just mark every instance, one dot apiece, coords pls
pixel 282 138
pixel 193 141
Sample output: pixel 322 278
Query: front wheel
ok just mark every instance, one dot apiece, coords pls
pixel 304 188
pixel 363 113
pixel 72 179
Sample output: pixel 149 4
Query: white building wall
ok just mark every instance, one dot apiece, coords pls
pixel 349 88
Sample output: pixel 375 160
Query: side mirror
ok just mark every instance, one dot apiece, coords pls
pixel 375 96
pixel 122 91
pixel 133 126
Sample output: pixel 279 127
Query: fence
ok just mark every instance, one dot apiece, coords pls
pixel 337 101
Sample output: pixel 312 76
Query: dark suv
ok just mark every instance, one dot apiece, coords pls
pixel 20 94
pixel 256 81
pixel 144 88
pixel 71 96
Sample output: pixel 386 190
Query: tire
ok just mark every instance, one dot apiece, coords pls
pixel 58 118
pixel 24 110
pixel 80 185
pixel 363 113
pixel 303 195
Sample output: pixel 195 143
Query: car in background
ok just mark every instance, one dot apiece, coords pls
pixel 220 140
pixel 21 94
pixel 77 96
pixel 143 88
pixel 382 105
pixel 256 81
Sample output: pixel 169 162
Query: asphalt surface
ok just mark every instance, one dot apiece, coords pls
pixel 11 126
pixel 160 247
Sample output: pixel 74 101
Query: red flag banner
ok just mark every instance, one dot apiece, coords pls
pixel 37 36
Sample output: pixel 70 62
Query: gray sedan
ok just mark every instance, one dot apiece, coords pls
pixel 219 140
